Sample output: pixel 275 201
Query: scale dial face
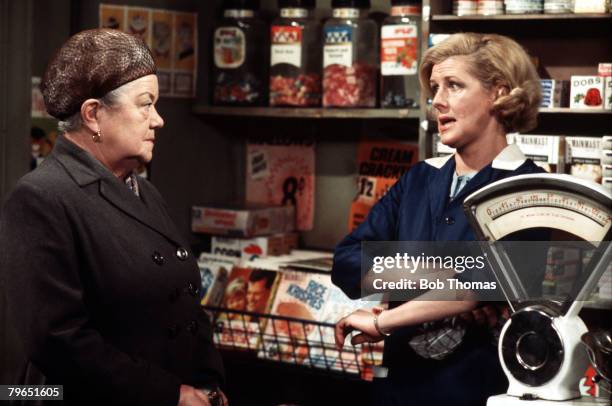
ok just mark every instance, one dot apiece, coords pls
pixel 547 208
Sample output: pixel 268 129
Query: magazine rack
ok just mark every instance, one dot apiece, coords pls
pixel 305 343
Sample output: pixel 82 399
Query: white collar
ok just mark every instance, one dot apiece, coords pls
pixel 509 159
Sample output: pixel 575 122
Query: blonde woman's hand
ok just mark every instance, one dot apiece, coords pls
pixel 190 396
pixel 361 320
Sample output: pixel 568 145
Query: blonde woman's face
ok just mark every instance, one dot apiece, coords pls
pixel 461 104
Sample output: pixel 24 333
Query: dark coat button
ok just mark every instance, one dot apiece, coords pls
pixel 192 326
pixel 449 220
pixel 181 253
pixel 158 258
pixel 192 289
pixel 174 295
pixel 173 331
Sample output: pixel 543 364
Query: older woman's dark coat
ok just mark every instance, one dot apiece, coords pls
pixel 101 287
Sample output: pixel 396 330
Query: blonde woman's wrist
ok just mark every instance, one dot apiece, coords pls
pixel 381 331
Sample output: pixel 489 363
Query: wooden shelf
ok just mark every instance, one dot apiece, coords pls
pixel 522 17
pixel 549 111
pixel 567 110
pixel 597 303
pixel 290 112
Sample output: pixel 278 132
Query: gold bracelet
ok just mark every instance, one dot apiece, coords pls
pixel 377 327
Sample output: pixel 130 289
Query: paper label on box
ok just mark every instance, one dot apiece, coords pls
pixel 542 149
pixel 286 46
pixel 228 247
pixel 338 49
pixel 586 92
pixel 257 164
pixel 582 148
pixel 398 52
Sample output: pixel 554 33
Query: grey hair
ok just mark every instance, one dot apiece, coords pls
pixel 74 122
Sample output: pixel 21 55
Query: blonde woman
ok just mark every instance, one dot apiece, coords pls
pixel 483 86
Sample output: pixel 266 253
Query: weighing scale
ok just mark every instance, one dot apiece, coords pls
pixel 540 347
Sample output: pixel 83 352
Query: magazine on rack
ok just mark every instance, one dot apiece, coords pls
pixel 250 290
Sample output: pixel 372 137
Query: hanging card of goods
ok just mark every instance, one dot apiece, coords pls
pixel 282 172
pixel 184 51
pixel 380 164
pixel 172 38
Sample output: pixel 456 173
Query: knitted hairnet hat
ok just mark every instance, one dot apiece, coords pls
pixel 91 64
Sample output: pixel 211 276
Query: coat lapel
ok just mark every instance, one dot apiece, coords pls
pixel 120 196
pixel 85 170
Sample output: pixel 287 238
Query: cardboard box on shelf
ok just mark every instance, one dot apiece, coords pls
pixel 249 221
pixel 587 92
pixel 249 248
pixel 542 149
pixel 583 157
pixel 555 93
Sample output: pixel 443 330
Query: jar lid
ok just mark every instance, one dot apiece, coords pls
pixel 309 4
pixel 405 2
pixel 350 3
pixel 240 4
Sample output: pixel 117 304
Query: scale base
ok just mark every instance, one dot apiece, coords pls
pixel 506 400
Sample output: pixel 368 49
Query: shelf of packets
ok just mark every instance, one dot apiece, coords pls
pixel 496 8
pixel 564 266
pixel 587 158
pixel 283 309
pixel 588 93
pixel 579 94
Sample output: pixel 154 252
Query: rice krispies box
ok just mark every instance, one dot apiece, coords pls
pixel 248 221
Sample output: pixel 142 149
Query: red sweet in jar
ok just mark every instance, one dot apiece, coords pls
pixel 349 86
pixel 303 90
pixel 593 97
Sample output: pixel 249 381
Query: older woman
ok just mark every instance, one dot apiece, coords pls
pixel 100 285
pixel 483 86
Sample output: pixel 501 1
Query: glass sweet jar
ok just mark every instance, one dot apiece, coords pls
pixel 295 55
pixel 400 47
pixel 350 56
pixel 240 71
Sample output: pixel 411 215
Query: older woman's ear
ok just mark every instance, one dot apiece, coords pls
pixel 90 110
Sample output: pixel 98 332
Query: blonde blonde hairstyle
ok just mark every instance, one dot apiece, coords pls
pixel 494 60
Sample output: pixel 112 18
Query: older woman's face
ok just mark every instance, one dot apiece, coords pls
pixel 462 105
pixel 128 127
